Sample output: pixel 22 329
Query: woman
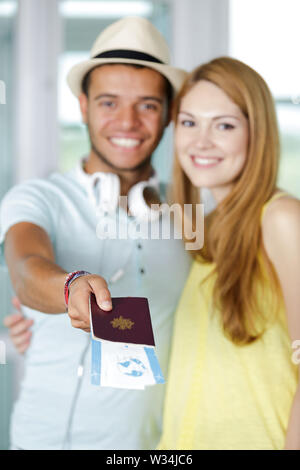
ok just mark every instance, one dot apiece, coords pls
pixel 232 382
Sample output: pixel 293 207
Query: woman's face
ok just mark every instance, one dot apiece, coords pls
pixel 211 138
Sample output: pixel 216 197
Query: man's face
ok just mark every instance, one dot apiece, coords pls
pixel 126 113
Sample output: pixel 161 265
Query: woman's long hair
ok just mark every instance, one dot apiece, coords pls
pixel 233 235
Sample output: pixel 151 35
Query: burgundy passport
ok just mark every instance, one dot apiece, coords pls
pixel 129 321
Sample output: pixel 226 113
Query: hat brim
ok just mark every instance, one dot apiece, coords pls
pixel 77 73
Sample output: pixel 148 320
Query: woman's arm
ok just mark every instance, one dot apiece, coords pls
pixel 281 236
pixel 19 327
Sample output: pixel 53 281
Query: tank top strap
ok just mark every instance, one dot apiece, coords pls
pixel 273 198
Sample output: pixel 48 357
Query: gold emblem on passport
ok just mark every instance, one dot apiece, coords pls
pixel 122 323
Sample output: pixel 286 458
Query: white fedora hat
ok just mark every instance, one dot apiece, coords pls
pixel 131 40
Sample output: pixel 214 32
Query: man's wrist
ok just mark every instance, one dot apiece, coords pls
pixel 69 279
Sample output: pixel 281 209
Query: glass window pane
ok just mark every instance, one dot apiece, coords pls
pixel 289 124
pixel 8 11
pixel 266 36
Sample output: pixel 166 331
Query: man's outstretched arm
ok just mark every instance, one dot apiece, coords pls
pixel 39 282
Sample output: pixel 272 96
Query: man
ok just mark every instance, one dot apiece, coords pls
pixel 50 231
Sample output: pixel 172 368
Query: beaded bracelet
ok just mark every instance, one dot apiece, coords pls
pixel 69 279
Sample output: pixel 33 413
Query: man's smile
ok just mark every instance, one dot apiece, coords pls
pixel 125 142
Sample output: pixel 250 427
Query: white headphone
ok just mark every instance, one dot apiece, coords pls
pixel 104 191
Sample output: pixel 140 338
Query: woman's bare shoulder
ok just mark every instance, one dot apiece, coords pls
pixel 282 209
pixel 281 222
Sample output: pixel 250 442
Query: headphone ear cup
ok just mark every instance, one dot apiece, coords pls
pixel 108 189
pixel 104 192
pixel 137 205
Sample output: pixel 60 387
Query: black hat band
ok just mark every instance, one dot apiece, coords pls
pixel 127 54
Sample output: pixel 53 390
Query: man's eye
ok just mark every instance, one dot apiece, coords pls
pixel 107 104
pixel 149 106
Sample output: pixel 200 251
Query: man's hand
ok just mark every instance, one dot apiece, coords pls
pixel 19 327
pixel 79 293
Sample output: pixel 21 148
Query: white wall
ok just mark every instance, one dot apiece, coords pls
pixel 200 31
pixel 38 42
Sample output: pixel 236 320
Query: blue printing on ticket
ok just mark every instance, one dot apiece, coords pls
pixel 96 362
pixel 154 364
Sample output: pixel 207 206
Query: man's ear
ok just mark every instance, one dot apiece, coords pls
pixel 83 103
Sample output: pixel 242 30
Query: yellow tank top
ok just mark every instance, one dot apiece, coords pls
pixel 220 395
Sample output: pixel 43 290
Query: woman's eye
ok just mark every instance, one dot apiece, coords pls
pixel 187 123
pixel 225 126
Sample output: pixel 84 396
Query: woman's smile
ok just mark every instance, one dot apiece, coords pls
pixel 205 162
